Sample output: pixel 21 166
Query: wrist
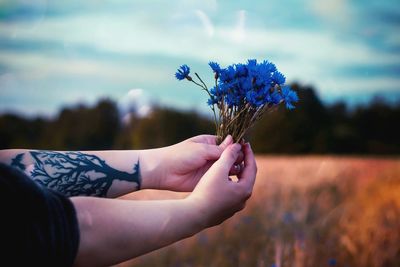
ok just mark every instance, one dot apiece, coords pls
pixel 196 212
pixel 151 172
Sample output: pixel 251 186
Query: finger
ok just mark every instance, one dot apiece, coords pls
pixel 227 158
pixel 227 141
pixel 205 139
pixel 248 174
pixel 213 152
pixel 240 157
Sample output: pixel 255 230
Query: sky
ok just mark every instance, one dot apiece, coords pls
pixel 60 53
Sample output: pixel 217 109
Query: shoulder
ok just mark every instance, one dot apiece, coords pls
pixel 38 225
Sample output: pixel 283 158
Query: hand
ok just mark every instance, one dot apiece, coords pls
pixel 216 196
pixel 185 163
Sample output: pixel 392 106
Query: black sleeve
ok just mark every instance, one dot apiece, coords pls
pixel 38 227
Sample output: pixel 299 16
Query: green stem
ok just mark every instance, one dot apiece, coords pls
pixel 198 77
pixel 198 84
pixel 215 119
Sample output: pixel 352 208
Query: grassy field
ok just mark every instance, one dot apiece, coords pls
pixel 305 211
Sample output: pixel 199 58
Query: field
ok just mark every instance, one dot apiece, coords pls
pixel 305 211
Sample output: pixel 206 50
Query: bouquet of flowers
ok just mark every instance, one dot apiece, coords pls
pixel 242 94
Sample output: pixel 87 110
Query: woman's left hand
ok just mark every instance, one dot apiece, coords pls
pixel 183 164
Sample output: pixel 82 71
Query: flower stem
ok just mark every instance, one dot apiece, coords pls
pixel 198 77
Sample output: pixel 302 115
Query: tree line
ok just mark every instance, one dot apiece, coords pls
pixel 312 128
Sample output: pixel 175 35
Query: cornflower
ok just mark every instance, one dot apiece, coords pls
pixel 242 94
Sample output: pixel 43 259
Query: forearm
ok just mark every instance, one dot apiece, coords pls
pixel 112 231
pixel 89 173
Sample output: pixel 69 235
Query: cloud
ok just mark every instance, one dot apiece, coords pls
pixel 238 32
pixel 107 52
pixel 144 110
pixel 41 66
pixel 134 94
pixel 336 11
pixel 113 34
pixel 207 24
pixel 135 101
pixel 210 6
pixel 363 85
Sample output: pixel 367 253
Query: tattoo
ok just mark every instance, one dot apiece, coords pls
pixel 76 173
pixel 17 162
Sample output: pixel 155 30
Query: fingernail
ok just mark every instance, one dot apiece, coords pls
pixel 248 144
pixel 236 147
pixel 227 140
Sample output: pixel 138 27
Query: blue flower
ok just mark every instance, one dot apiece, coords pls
pixel 289 96
pixel 245 84
pixel 252 63
pixel 269 67
pixel 278 78
pixel 223 88
pixel 241 70
pixel 216 95
pixel 227 74
pixel 275 98
pixel 265 70
pixel 182 72
pixel 332 262
pixel 255 99
pixel 288 217
pixel 253 83
pixel 261 81
pixel 252 67
pixel 230 100
pixel 211 101
pixel 213 91
pixel 215 67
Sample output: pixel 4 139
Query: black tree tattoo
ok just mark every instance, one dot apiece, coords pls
pixel 17 162
pixel 76 173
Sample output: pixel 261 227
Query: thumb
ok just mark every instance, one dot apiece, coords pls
pixel 228 158
pixel 227 141
pixel 213 152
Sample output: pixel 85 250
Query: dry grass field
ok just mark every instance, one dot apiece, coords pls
pixel 305 211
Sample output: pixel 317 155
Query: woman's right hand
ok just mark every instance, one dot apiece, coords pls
pixel 216 197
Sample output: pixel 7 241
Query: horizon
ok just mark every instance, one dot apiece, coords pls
pixel 130 105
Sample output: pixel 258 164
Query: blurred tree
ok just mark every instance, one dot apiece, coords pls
pixel 378 127
pixel 165 126
pixel 83 128
pixel 311 128
pixel 300 131
pixel 19 132
pixel 343 136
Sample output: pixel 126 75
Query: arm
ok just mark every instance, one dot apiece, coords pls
pixel 115 173
pixel 116 230
pixel 95 173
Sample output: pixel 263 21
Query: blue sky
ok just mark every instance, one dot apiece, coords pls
pixel 57 53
